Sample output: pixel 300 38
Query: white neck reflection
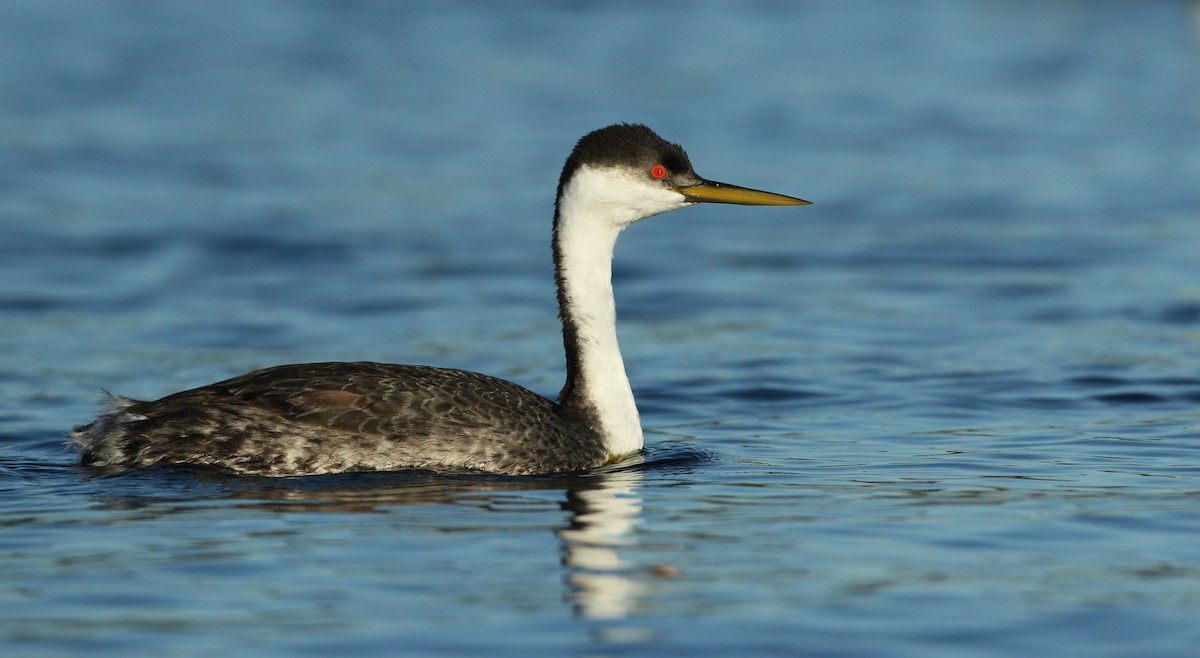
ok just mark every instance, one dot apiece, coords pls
pixel 602 584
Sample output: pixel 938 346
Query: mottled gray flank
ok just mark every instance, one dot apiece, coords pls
pixel 334 417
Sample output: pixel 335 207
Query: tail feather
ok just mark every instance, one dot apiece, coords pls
pixel 101 442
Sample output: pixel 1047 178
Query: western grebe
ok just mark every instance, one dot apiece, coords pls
pixel 314 418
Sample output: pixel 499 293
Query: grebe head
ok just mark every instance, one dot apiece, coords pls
pixel 626 172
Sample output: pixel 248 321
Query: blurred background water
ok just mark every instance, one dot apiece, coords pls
pixel 951 409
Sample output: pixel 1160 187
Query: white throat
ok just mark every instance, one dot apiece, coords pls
pixel 595 205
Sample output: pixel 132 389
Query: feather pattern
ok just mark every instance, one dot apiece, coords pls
pixel 335 417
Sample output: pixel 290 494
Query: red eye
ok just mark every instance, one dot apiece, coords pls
pixel 658 171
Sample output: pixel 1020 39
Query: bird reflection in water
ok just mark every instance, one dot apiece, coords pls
pixel 603 509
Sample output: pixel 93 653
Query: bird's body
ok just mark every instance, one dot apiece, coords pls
pixel 315 418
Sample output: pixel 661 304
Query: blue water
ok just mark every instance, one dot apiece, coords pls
pixel 951 409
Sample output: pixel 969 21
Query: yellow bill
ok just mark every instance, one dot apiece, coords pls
pixel 714 192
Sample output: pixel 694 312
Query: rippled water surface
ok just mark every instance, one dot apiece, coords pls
pixel 951 409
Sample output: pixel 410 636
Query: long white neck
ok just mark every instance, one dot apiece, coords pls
pixel 586 230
